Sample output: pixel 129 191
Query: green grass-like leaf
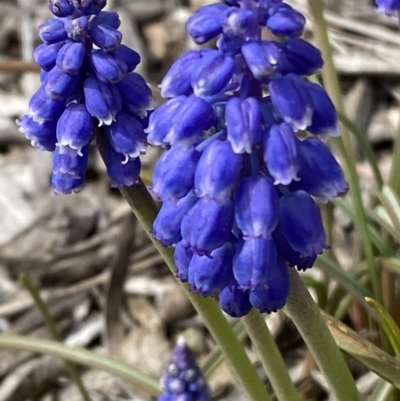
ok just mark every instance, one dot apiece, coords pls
pixel 368 354
pixel 388 324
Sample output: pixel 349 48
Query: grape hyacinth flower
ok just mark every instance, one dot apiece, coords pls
pixel 390 7
pixel 88 79
pixel 238 182
pixel 184 380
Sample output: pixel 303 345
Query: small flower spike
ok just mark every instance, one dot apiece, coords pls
pixel 238 180
pixel 87 81
pixel 183 380
pixel 390 7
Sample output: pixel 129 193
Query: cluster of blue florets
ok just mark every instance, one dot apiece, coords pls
pixel 87 80
pixel 390 7
pixel 237 183
pixel 184 380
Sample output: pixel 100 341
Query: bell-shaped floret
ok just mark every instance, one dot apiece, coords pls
pixel 173 175
pixel 288 254
pixel 324 119
pixel 252 262
pixel 129 56
pixel 126 135
pixel 280 154
pixel 176 81
pixel 105 37
pixel 103 101
pixel 67 163
pixel 243 123
pixel 46 55
pixel 136 94
pixel 59 85
pixel 107 67
pixel 274 296
pixel 90 7
pixel 160 122
pixel 42 108
pixel 229 44
pixel 77 28
pixel 300 57
pixel 217 171
pixel 66 183
pixel 61 8
pixel 239 21
pixel 286 21
pixel 74 129
pixel 212 74
pixel 301 224
pixel 262 57
pixel 53 31
pixel 208 274
pixel 194 117
pixel 207 226
pixel 167 225
pixel 256 207
pixel 235 302
pixel 122 173
pixel 206 23
pixel 292 101
pixel 182 257
pixel 109 18
pixel 41 135
pixel 70 57
pixel 319 172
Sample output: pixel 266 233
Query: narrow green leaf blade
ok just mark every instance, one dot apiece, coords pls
pixel 80 356
pixel 391 265
pixel 368 354
pixel 365 146
pixel 334 270
pixel 388 324
pixel 391 204
pixel 382 391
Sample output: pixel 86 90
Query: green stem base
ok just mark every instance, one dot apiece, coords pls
pixel 307 317
pixel 270 357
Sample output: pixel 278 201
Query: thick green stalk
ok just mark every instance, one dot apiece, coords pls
pixel 82 357
pixel 307 317
pixel 216 356
pixel 40 304
pixel 145 210
pixel 345 147
pixel 270 357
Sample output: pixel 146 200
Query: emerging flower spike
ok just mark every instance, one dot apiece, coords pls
pixel 237 182
pixel 183 380
pixel 87 80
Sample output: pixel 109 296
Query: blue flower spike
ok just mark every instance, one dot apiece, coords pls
pixel 234 126
pixel 184 380
pixel 87 81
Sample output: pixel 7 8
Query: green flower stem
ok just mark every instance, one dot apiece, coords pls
pixel 270 357
pixel 82 357
pixel 216 356
pixel 40 304
pixel 144 208
pixel 307 317
pixel 344 142
pixel 394 179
